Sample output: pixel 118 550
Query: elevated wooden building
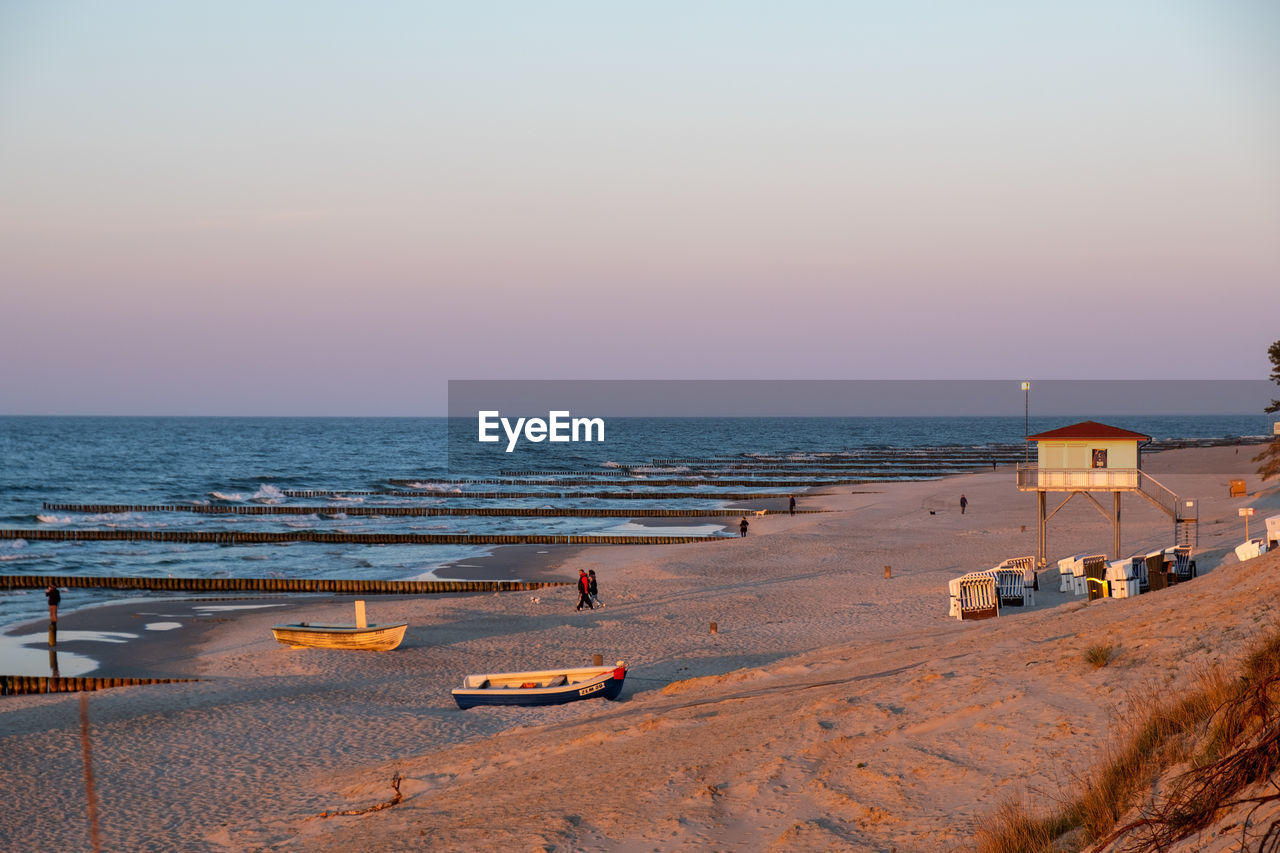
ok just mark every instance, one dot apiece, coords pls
pixel 1090 459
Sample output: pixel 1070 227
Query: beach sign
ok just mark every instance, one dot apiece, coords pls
pixel 1246 511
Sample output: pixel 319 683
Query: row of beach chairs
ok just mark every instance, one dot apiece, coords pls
pixel 980 595
pixel 1093 575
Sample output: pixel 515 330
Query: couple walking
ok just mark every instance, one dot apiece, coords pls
pixel 587 590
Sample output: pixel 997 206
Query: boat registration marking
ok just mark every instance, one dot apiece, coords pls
pixel 592 689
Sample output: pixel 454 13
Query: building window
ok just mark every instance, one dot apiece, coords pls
pixel 1099 459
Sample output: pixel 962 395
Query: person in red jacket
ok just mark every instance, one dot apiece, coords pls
pixel 584 591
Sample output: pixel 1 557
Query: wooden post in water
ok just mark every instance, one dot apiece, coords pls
pixel 361 621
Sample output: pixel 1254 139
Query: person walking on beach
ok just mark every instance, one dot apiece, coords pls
pixel 742 525
pixel 592 589
pixel 964 502
pixel 54 597
pixel 584 591
pixel 792 507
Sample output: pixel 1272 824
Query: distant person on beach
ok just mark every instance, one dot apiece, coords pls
pixel 793 505
pixel 592 589
pixel 964 502
pixel 584 591
pixel 55 597
pixel 742 525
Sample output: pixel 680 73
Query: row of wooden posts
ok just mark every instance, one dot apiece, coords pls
pixel 647 496
pixel 13 685
pixel 264 537
pixel 802 480
pixel 428 511
pixel 324 585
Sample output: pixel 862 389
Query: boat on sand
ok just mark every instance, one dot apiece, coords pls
pixel 541 687
pixel 361 635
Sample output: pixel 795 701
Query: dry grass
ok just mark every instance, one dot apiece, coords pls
pixel 1099 655
pixel 1227 729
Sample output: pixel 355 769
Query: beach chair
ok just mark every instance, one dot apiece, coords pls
pixel 1181 563
pixel 1013 589
pixel 979 597
pixel 953 589
pixel 1065 571
pixel 1157 575
pixel 1251 548
pixel 1122 577
pixel 1026 565
pixel 1095 575
pixel 1079 584
pixel 1140 571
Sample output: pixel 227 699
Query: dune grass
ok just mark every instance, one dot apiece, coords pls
pixel 1227 730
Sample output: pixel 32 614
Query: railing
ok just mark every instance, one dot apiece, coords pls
pixel 1033 478
pixel 1159 494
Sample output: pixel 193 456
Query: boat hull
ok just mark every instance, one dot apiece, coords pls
pixel 531 689
pixel 374 638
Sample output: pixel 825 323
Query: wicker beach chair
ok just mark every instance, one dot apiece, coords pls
pixel 1067 570
pixel 979 596
pixel 1157 575
pixel 1122 577
pixel 1183 566
pixel 1013 590
pixel 1026 565
pixel 1095 574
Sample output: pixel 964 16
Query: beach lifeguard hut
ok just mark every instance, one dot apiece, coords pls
pixel 1091 459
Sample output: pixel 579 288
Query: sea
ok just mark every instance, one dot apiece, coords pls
pixel 340 463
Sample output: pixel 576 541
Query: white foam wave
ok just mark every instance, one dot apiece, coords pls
pixel 53 519
pixel 234 497
pixel 268 494
pixel 610 465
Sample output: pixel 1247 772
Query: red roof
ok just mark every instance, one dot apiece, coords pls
pixel 1089 429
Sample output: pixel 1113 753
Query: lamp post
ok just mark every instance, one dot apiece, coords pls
pixel 1026 421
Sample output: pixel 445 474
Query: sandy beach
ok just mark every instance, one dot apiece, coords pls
pixel 834 708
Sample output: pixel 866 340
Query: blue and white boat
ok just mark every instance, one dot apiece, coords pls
pixel 541 687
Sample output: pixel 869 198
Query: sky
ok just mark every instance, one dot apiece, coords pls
pixel 331 208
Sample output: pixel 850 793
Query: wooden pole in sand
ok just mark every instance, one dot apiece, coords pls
pixel 361 621
pixel 91 798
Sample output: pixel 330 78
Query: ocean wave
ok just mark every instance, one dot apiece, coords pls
pixel 268 494
pixel 53 519
pixel 234 497
pixel 610 465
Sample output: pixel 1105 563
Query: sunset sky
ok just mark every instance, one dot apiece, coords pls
pixel 332 208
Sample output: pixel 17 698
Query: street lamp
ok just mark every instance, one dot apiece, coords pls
pixel 1026 421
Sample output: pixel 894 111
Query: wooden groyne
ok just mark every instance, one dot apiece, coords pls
pixel 800 482
pixel 643 496
pixel 263 537
pixel 336 586
pixel 14 685
pixel 429 511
